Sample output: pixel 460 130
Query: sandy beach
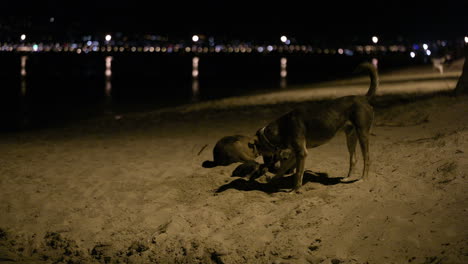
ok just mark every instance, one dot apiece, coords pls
pixel 132 190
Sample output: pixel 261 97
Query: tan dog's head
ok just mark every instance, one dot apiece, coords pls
pixel 262 146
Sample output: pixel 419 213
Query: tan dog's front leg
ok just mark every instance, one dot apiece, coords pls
pixel 285 166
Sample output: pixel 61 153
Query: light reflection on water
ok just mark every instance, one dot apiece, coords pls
pixel 283 72
pixel 195 90
pixel 108 85
pixel 108 77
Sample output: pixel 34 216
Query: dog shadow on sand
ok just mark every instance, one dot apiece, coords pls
pixel 280 184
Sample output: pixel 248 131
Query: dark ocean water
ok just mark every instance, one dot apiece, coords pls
pixel 51 89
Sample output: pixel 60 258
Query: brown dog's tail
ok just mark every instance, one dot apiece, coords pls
pixel 374 77
pixel 209 164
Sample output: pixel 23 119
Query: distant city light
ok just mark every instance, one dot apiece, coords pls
pixel 466 39
pixel 428 52
pixel 89 43
pixel 425 46
pixel 108 37
pixel 340 51
pixel 35 47
pixel 195 38
pixel 284 39
pixel 412 54
pixel 349 52
pixel 52 19
pixel 270 48
pixel 23 37
pixel 375 39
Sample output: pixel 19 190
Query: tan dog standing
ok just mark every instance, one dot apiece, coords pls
pixel 314 125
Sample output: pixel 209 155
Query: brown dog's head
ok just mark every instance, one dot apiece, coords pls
pixel 231 149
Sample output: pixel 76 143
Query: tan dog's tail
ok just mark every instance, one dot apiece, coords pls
pixel 209 164
pixel 374 77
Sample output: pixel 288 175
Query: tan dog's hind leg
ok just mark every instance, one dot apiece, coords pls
pixel 351 140
pixel 363 136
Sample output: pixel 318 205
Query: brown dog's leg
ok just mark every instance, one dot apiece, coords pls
pixel 351 140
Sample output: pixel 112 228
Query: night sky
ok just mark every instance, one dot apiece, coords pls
pixel 251 20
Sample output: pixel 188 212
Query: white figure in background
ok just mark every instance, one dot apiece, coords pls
pixel 438 63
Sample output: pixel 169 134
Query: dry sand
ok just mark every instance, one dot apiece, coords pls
pixel 133 190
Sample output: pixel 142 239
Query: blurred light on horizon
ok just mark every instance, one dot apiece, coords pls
pixel 284 39
pixel 195 38
pixel 412 54
pixel 466 39
pixel 23 37
pixel 52 19
pixel 35 47
pixel 108 37
pixel 349 52
pixel 425 46
pixel 375 39
pixel 428 52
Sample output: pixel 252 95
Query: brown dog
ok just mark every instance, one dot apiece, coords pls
pixel 238 148
pixel 312 126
